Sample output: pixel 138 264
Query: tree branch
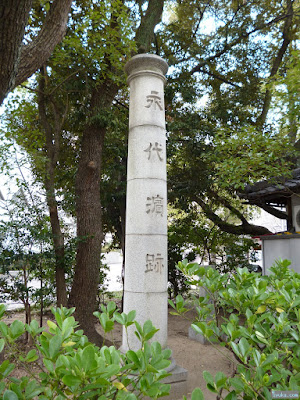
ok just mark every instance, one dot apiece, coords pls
pixel 229 206
pixel 242 36
pixel 271 210
pixel 277 61
pixel 13 19
pixel 219 77
pixel 40 49
pixel 244 229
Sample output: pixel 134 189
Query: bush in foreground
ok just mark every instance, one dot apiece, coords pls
pixel 62 364
pixel 259 324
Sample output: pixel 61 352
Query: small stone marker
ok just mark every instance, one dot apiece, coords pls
pixel 146 264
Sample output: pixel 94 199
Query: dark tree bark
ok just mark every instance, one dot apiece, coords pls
pixel 18 61
pixel 13 19
pixel 52 135
pixel 89 219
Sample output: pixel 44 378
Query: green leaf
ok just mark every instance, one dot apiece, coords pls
pixel 208 377
pixel 3 328
pixel 244 346
pixel 120 318
pixel 151 334
pixel 133 357
pixel 103 319
pixel 171 303
pixel 17 387
pixel 9 395
pixel 88 357
pixel 111 370
pixel 48 364
pixel 2 344
pixel 71 380
pixel 235 348
pixel 261 337
pixel 52 326
pixel 237 383
pixel 162 364
pixel 131 316
pixel 111 306
pixel 32 389
pixel 55 345
pixel 179 302
pixel 2 310
pixel 17 329
pixel 138 328
pixel 130 396
pixel 199 327
pixel 6 368
pixel 220 379
pixel 197 394
pixel 147 327
pixel 231 396
pixel 31 356
pixel 67 326
pixel 34 325
pixel 211 388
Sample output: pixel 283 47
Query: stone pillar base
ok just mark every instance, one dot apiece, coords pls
pixel 178 382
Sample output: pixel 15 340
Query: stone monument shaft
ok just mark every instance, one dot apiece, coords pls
pixel 146 268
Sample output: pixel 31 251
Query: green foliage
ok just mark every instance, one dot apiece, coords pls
pixel 222 55
pixel 99 37
pixel 246 155
pixel 231 253
pixel 26 249
pixel 260 326
pixel 192 236
pixel 69 367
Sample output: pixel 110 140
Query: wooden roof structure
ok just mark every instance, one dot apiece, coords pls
pixel 273 192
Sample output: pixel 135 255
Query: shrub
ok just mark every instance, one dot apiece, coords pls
pixel 260 325
pixel 62 364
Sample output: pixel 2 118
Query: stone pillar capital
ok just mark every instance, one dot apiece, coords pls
pixel 146 64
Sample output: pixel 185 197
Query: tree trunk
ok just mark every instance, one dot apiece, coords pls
pixel 145 32
pixel 59 246
pixel 52 135
pixel 89 231
pixel 89 219
pixel 13 19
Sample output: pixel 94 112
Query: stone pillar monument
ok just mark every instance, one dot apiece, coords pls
pixel 146 264
pixel 146 270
